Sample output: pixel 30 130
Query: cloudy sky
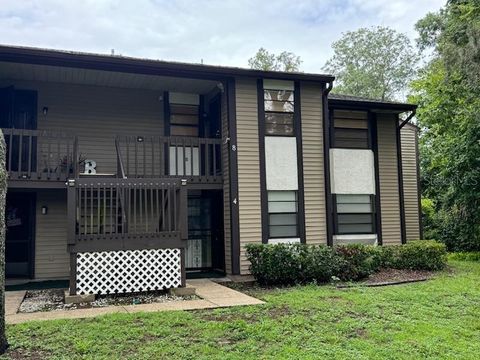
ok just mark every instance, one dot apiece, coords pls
pixel 225 32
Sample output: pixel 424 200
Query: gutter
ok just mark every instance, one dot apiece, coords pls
pixel 326 162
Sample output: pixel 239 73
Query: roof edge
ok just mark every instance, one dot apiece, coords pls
pixel 39 56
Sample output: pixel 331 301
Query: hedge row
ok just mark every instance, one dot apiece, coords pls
pixel 299 263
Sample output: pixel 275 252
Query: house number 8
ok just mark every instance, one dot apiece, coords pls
pixel 234 147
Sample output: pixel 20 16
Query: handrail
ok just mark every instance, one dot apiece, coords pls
pixel 119 160
pixel 121 190
pixel 164 156
pixel 40 154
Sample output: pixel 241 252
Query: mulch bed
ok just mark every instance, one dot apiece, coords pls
pixel 53 299
pixel 393 277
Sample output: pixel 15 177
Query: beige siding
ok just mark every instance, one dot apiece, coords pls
pixel 248 167
pixel 388 175
pixel 226 189
pixel 52 260
pixel 97 114
pixel 313 166
pixel 410 185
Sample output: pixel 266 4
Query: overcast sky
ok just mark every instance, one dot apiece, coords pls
pixel 225 32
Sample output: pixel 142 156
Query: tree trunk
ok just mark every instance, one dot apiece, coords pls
pixel 3 195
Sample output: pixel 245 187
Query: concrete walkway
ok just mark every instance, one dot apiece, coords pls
pixel 212 296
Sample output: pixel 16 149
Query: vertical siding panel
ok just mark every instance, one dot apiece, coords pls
pixel 410 181
pixel 248 167
pixel 388 176
pixel 313 163
pixel 52 260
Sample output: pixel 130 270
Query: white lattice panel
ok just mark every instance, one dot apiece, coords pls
pixel 108 272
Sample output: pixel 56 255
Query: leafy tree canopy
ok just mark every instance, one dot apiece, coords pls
pixel 448 94
pixel 267 61
pixel 377 63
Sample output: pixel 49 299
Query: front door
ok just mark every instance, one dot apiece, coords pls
pixel 19 241
pixel 205 248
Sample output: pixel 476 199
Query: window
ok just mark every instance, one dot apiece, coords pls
pixel 282 214
pixel 350 129
pixel 279 112
pixel 184 120
pixel 355 214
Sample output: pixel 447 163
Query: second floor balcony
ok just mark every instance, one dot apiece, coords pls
pixel 37 155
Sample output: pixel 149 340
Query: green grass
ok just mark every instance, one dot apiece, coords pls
pixel 437 319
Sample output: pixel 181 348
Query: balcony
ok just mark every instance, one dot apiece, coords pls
pixel 38 155
pixel 192 158
pixel 119 214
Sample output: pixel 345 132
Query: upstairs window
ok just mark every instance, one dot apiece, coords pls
pixel 355 214
pixel 282 214
pixel 350 129
pixel 278 99
pixel 184 114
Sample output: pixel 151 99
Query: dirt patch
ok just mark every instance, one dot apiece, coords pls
pixel 53 299
pixel 273 313
pixel 20 353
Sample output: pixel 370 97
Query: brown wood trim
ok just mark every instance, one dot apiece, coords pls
pixel 183 212
pixel 128 243
pixel 71 212
pixel 372 118
pixel 262 170
pixel 233 176
pixel 73 274
pixel 142 66
pixel 326 157
pixel 183 268
pixel 369 105
pixel 297 118
pixel 400 182
pixel 419 185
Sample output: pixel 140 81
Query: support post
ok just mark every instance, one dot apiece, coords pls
pixel 73 274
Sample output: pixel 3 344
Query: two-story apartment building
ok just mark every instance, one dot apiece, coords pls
pixel 125 173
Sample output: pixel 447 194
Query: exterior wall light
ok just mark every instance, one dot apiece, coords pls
pixel 44 210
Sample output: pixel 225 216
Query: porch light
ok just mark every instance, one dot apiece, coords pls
pixel 45 110
pixel 44 210
pixel 140 139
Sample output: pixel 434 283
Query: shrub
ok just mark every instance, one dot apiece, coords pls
pixel 275 264
pixel 321 264
pixel 298 263
pixel 358 261
pixel 418 255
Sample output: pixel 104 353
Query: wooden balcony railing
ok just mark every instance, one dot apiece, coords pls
pixel 197 159
pixel 40 155
pixel 116 214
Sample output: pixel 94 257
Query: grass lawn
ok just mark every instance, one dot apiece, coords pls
pixel 437 319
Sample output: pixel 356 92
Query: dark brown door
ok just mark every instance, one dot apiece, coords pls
pixel 19 241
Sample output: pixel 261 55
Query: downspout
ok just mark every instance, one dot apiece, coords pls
pixel 403 229
pixel 409 117
pixel 326 159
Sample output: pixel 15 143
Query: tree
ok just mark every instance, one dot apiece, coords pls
pixel 3 195
pixel 448 94
pixel 285 61
pixel 376 63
